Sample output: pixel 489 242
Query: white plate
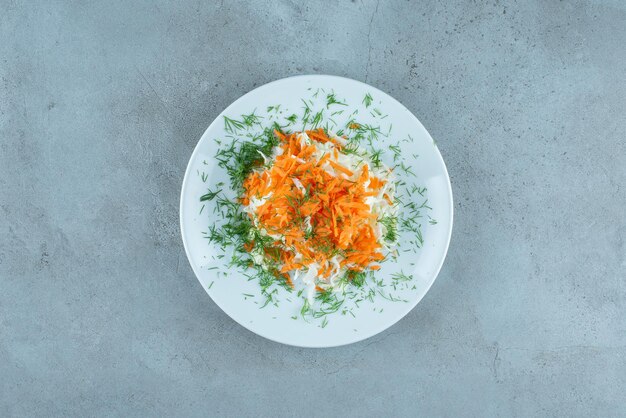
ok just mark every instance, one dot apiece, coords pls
pixel 354 321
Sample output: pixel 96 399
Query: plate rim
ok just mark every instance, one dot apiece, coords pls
pixel 411 306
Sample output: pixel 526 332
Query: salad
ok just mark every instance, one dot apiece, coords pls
pixel 320 213
pixel 312 208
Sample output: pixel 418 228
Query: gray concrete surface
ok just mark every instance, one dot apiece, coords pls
pixel 101 104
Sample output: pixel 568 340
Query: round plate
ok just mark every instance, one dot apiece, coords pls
pixel 332 102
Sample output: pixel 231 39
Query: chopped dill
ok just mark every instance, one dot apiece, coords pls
pixel 209 195
pixel 251 119
pixel 418 235
pixel 401 277
pixel 407 169
pixel 396 152
pixel 391 226
pixel 307 113
pixel 357 278
pixel 328 306
pixel 317 118
pixel 367 100
pixel 274 108
pixel 306 308
pixel 232 125
pixel 375 157
pixel 390 297
pixel 332 100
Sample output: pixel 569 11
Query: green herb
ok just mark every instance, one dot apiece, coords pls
pixel 306 115
pixel 251 119
pixel 209 195
pixel 239 161
pixel 396 151
pixel 357 278
pixel 391 226
pixel 317 118
pixel 407 169
pixel 331 100
pixel 232 125
pixel 269 298
pixel 306 308
pixel 367 100
pixel 369 131
pixel 418 235
pixel 375 157
pixel 352 149
pixel 401 277
pixel 330 304
pixel 390 297
pixel 425 205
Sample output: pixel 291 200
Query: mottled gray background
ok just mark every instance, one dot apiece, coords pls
pixel 101 104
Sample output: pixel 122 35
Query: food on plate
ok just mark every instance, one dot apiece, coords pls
pixel 320 213
pixel 312 208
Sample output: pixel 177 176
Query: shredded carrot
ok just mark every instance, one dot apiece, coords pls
pixel 341 168
pixel 319 214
